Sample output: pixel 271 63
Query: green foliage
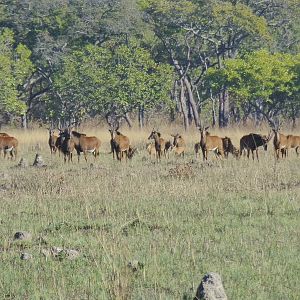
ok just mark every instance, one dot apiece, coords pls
pixel 191 35
pixel 15 67
pixel 261 76
pixel 240 17
pixel 101 79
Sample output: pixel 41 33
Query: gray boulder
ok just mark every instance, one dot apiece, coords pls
pixel 25 256
pixel 23 163
pixel 38 161
pixel 22 236
pixel 211 288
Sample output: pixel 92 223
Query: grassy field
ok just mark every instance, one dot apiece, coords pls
pixel 179 218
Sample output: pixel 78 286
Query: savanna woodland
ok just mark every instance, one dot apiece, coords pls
pixel 149 228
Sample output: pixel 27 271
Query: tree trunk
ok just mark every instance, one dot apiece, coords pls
pixel 24 121
pixel 141 117
pixel 183 107
pixel 223 108
pixel 128 120
pixel 192 101
pixel 214 115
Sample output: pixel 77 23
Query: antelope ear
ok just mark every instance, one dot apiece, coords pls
pixel 206 128
pixel 173 135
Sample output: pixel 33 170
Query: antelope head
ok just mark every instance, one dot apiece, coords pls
pixel 176 137
pixel 266 139
pixel 114 127
pixel 153 134
pixel 203 132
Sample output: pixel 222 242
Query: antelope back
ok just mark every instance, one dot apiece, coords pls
pixel 8 142
pixel 293 141
pixel 85 142
pixel 3 134
pixel 213 142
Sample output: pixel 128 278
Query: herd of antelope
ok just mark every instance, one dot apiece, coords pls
pixel 70 140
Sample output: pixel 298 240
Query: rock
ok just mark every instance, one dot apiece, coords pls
pixel 211 288
pixel 23 163
pixel 38 161
pixel 60 253
pixel 71 253
pixel 25 256
pixel 22 236
pixel 4 176
pixel 38 147
pixel 135 265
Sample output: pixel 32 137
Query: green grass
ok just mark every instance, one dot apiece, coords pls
pixel 235 217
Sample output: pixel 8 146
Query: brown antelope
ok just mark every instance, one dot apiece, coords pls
pixel 85 144
pixel 151 149
pixel 251 142
pixel 52 141
pixel 67 145
pixel 228 147
pixel 280 143
pixel 119 143
pixel 9 144
pixel 160 143
pixel 3 134
pixel 210 143
pixel 293 141
pixel 178 144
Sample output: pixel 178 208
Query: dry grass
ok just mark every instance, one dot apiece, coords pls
pixel 180 218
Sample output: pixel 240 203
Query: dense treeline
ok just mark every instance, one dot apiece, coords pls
pixel 198 61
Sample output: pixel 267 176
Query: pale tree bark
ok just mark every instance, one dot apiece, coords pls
pixel 24 121
pixel 224 111
pixel 141 117
pixel 128 120
pixel 192 101
pixel 183 106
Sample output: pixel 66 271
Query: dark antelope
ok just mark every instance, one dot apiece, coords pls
pixel 210 143
pixel 159 142
pixel 52 141
pixel 197 148
pixel 67 144
pixel 228 147
pixel 251 142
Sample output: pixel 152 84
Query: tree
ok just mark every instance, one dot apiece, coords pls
pixel 199 35
pixel 267 83
pixel 15 68
pixel 103 80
